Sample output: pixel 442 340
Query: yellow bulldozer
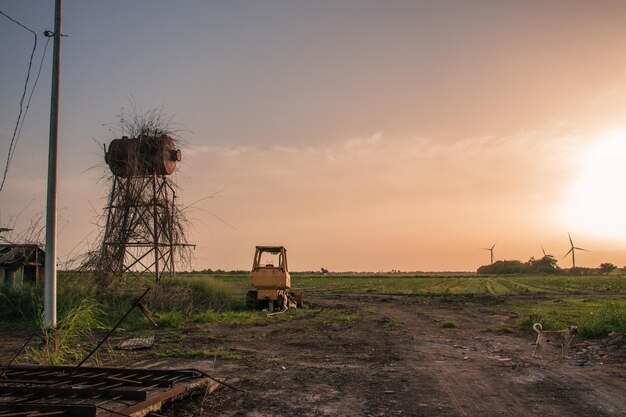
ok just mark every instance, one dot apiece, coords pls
pixel 270 281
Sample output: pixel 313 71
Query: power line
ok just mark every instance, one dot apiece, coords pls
pixel 18 23
pixel 13 142
pixel 19 132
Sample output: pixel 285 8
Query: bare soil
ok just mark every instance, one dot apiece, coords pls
pixel 388 356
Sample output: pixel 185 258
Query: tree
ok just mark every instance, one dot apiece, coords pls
pixel 545 265
pixel 607 267
pixel 504 267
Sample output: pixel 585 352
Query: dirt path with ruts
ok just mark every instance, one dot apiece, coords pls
pixel 395 359
pixel 374 355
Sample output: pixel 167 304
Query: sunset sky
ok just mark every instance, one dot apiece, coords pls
pixel 362 135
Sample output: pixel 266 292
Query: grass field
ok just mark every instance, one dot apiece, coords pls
pixel 440 285
pixel 595 303
pixel 595 316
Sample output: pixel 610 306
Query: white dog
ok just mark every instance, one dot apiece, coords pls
pixel 558 337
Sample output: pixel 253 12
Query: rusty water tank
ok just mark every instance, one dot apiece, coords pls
pixel 142 156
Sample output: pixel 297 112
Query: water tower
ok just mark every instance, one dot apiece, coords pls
pixel 142 230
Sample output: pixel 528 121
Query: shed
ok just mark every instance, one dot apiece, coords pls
pixel 21 263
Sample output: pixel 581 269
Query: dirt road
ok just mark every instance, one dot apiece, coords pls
pixel 390 356
pixel 367 355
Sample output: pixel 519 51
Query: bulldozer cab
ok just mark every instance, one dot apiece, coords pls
pixel 270 257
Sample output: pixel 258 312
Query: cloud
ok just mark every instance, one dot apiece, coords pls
pixel 376 191
pixel 520 163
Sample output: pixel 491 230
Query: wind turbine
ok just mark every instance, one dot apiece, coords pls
pixel 573 250
pixel 544 252
pixel 491 251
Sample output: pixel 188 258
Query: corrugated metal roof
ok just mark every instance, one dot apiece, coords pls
pixel 12 254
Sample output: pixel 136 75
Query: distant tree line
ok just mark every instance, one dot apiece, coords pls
pixel 546 265
pixel 209 271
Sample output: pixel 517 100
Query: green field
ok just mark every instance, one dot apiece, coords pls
pixel 452 285
pixel 597 304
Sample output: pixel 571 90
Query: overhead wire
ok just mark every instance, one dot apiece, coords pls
pixel 18 23
pixel 30 97
pixel 17 128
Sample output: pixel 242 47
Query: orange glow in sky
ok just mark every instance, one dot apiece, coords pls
pixel 597 196
pixel 363 136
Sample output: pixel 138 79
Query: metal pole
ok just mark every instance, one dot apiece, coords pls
pixel 50 276
pixel 172 247
pixel 155 218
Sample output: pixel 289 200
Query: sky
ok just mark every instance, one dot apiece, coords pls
pixel 361 135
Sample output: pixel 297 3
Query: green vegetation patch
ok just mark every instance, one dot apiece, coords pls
pixel 204 299
pixel 173 302
pixel 68 342
pixel 170 319
pixel 331 315
pixel 229 317
pixel 183 353
pixel 439 284
pixel 595 317
pixel 20 308
pixel 195 293
pixel 390 323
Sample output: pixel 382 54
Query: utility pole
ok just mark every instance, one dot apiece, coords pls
pixel 50 276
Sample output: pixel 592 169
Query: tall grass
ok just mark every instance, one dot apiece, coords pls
pixel 20 308
pixel 174 299
pixel 195 294
pixel 68 342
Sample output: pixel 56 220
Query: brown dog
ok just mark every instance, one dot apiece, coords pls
pixel 558 337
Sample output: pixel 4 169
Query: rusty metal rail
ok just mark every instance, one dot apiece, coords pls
pixel 67 391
